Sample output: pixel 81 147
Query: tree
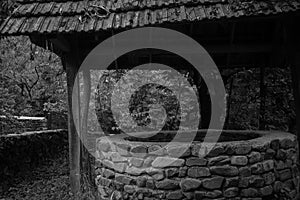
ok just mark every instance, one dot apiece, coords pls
pixel 31 79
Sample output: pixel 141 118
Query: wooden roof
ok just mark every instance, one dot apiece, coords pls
pixel 65 16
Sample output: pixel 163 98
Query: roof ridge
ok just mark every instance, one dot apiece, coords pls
pixel 116 6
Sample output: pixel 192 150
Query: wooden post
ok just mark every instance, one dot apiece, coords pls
pixel 296 90
pixel 293 61
pixel 204 100
pixel 72 67
pixel 262 99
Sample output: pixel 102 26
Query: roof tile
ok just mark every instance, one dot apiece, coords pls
pixel 51 16
pixel 15 27
pixel 57 8
pixel 135 20
pixel 45 25
pixel 99 24
pixel 153 18
pixel 54 24
pixel 37 24
pixel 117 21
pixel 90 25
pixel 47 9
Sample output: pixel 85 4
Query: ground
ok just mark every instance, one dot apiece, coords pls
pixel 48 181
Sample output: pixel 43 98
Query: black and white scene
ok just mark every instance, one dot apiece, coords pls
pixel 149 99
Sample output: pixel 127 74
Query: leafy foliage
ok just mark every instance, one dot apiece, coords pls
pixel 245 101
pixel 31 77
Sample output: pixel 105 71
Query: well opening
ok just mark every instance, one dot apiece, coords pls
pixel 168 136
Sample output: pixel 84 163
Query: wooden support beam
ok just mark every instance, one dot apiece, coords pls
pixel 262 99
pixel 290 36
pixel 72 67
pixel 295 70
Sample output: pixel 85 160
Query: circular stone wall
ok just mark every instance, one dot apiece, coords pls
pixel 260 168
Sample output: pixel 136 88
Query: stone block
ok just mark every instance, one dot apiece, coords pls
pixel 189 184
pixel 266 191
pixel 289 184
pixel 279 165
pixel 104 181
pixel 117 185
pixel 269 154
pixel 141 181
pixel 219 160
pixel 108 163
pixel 116 157
pixel 268 165
pixel 290 153
pixel 249 192
pixel 244 182
pixel 158 176
pixel 231 182
pixel 284 174
pixel 123 149
pixel 139 151
pixel 136 162
pixel 125 179
pixel 148 161
pixel 197 172
pixel 257 168
pixel 150 184
pixel 196 161
pixel 103 145
pixel 261 147
pixel 178 151
pixel 242 149
pixel 182 171
pixel 256 181
pixel 231 192
pixel 129 189
pixel 254 157
pixel 108 173
pixel 167 184
pixel 275 144
pixel 170 172
pixel 213 183
pixel 156 150
pixel 226 170
pixel 287 143
pixel 239 160
pixel 189 195
pixel 280 155
pixel 216 151
pixel 120 167
pixel 161 162
pixel 135 171
pixel 269 178
pixel 208 194
pixel 175 195
pixel 277 186
pixel 245 171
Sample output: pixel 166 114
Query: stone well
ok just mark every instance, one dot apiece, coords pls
pixel 243 165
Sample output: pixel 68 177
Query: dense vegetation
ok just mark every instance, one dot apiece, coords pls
pixel 32 80
pixel 33 83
